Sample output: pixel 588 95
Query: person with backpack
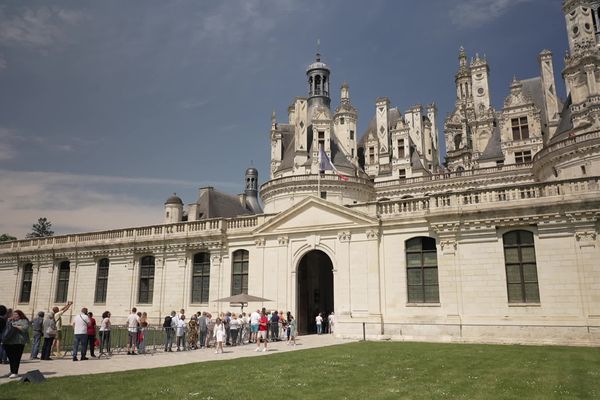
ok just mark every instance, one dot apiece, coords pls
pixel 169 331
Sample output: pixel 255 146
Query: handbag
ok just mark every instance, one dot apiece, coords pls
pixel 9 332
pixel 51 332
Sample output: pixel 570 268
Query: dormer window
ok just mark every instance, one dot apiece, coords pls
pixel 400 148
pixel 522 157
pixel 342 121
pixel 371 155
pixel 520 128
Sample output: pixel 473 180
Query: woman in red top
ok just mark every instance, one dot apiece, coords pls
pixel 262 330
pixel 91 334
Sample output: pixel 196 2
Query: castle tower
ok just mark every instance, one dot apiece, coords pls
pixel 463 78
pixel 173 209
pixel 251 191
pixel 480 84
pixel 344 124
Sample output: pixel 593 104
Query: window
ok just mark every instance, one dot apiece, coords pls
pixel 521 269
pixel 402 173
pixel 400 148
pixel 200 278
pixel 321 140
pixel 26 283
pixel 101 281
pixel 351 135
pixel 520 128
pixel 457 141
pixel 523 156
pixel 324 195
pixel 422 271
pixel 342 121
pixel 371 155
pixel 62 287
pixel 583 171
pixel 239 273
pixel 146 289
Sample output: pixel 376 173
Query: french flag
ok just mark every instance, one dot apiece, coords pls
pixel 325 164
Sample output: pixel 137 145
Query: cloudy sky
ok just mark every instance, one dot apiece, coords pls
pixel 107 107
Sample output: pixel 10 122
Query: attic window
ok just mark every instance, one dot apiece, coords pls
pixel 400 148
pixel 523 156
pixel 402 173
pixel 342 121
pixel 520 128
pixel 371 155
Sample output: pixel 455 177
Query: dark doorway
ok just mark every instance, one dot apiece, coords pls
pixel 315 290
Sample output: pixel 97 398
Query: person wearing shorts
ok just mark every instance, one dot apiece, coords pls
pixel 254 318
pixel 133 321
pixel 263 323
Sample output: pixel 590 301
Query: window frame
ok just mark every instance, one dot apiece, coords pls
pixel 101 288
pixel 62 283
pixel 520 128
pixel 26 282
pixel 522 157
pixel 146 273
pixel 202 275
pixel 422 267
pixel 240 257
pixel 520 244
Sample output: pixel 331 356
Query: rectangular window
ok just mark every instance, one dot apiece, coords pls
pixel 352 152
pixel 402 173
pixel 239 273
pixel 521 269
pixel 400 148
pixel 342 121
pixel 351 135
pixel 26 283
pixel 321 140
pixel 583 171
pixel 371 155
pixel 422 270
pixel 520 128
pixel 62 285
pixel 200 278
pixel 522 156
pixel 146 289
pixel 101 281
pixel 324 195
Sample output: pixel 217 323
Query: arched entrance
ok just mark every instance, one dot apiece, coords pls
pixel 315 289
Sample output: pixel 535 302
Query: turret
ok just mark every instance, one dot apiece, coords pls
pixel 463 78
pixel 173 209
pixel 480 85
pixel 344 123
pixel 318 85
pixel 251 191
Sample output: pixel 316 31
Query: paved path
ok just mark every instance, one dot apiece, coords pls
pixel 65 366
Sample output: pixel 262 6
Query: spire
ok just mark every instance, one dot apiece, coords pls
pixel 318 56
pixel 462 57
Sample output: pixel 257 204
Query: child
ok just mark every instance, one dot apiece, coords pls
pixel 219 333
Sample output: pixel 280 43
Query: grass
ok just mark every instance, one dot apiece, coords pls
pixel 371 370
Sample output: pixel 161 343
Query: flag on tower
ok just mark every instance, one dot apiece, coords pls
pixel 325 164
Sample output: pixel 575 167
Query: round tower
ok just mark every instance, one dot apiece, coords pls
pixel 173 209
pixel 251 191
pixel 317 74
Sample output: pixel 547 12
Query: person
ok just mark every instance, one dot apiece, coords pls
pixel 220 335
pixel 263 323
pixel 210 326
pixel 226 318
pixel 143 328
pixel 331 322
pixel 202 329
pixel 91 334
pixel 3 318
pixel 133 321
pixel 275 326
pixel 192 337
pixel 15 342
pixel 319 322
pixel 293 325
pixel 58 313
pixel 234 329
pixel 180 332
pixel 80 330
pixel 282 325
pixel 105 333
pixel 254 318
pixel 50 332
pixel 37 327
pixel 169 328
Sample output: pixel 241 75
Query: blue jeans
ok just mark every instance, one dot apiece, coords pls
pixel 35 347
pixel 319 329
pixel 202 337
pixel 80 339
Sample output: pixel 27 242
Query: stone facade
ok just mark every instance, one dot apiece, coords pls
pixel 497 247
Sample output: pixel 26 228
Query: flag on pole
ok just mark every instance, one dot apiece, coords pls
pixel 325 164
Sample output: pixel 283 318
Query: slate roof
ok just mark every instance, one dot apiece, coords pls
pixel 215 204
pixel 565 124
pixel 493 150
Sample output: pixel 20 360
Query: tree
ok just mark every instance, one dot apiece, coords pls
pixel 40 229
pixel 6 237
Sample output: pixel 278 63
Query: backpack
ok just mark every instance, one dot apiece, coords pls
pixel 167 323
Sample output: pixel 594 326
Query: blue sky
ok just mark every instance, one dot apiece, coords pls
pixel 107 107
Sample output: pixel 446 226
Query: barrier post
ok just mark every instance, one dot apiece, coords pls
pixel 364 332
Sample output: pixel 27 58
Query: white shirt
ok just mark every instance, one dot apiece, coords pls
pixel 132 322
pixel 105 325
pixel 80 324
pixel 319 320
pixel 180 327
pixel 254 318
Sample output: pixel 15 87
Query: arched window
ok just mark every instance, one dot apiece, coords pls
pixel 521 269
pixel 62 286
pixel 239 272
pixel 26 283
pixel 457 141
pixel 200 278
pixel 422 271
pixel 146 289
pixel 101 281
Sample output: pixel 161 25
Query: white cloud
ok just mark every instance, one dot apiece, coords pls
pixel 78 202
pixel 39 27
pixel 475 13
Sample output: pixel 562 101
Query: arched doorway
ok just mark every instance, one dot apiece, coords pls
pixel 315 289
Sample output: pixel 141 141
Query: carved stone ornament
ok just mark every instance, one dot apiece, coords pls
pixel 345 236
pixel 215 259
pixel 260 242
pixel 372 234
pixel 283 240
pixel 587 236
pixel 448 244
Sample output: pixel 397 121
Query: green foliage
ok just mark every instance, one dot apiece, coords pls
pixel 6 237
pixel 353 371
pixel 40 229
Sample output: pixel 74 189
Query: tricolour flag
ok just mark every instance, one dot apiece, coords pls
pixel 325 164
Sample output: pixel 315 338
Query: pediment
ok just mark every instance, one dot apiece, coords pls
pixel 314 214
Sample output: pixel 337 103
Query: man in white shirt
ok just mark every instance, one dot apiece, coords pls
pixel 254 320
pixel 133 321
pixel 80 325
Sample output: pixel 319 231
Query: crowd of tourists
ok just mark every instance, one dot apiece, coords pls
pixel 201 330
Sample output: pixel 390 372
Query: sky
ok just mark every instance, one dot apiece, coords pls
pixel 108 107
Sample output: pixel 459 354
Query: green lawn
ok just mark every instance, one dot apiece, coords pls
pixel 370 370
